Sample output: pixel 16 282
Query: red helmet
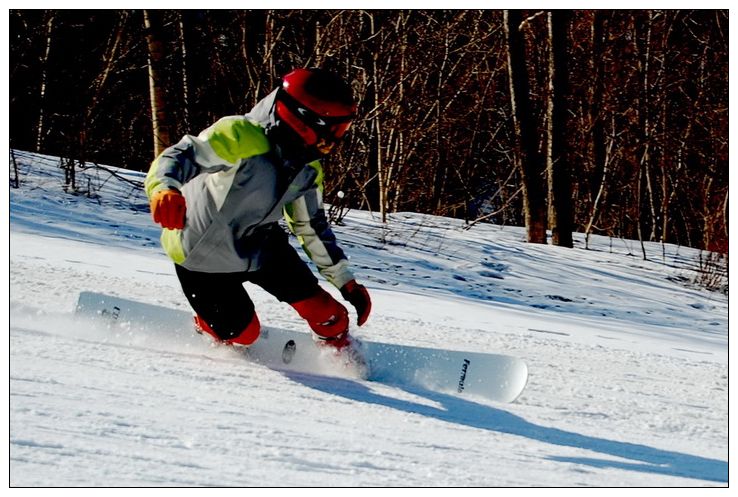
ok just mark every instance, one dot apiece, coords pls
pixel 317 105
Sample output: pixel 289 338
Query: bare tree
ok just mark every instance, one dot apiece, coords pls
pixel 528 157
pixel 559 177
pixel 183 71
pixel 159 114
pixel 601 151
pixel 40 130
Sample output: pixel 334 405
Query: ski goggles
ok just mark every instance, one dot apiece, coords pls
pixel 310 125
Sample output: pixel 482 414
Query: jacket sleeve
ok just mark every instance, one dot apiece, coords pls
pixel 307 220
pixel 220 147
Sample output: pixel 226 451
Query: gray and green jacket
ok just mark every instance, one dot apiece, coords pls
pixel 237 188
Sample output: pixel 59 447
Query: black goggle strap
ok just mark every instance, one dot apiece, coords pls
pixel 312 119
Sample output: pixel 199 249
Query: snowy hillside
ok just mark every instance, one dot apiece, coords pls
pixel 628 364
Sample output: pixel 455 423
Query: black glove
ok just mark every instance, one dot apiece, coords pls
pixel 358 296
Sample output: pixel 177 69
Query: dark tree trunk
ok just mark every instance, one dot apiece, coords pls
pixel 530 160
pixel 559 175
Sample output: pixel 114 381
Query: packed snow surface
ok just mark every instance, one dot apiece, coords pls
pixel 628 360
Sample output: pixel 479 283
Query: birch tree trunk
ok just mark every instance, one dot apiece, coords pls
pixel 40 125
pixel 185 84
pixel 159 115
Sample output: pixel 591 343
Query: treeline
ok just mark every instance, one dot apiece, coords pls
pixel 606 122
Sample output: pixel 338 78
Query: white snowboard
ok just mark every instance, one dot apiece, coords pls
pixel 495 377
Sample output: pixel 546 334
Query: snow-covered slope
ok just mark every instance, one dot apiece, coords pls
pixel 628 365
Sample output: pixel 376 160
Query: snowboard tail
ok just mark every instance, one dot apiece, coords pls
pixel 494 377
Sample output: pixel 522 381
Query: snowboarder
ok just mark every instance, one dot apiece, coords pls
pixel 219 197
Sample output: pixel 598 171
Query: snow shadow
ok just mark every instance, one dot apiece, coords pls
pixel 641 458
